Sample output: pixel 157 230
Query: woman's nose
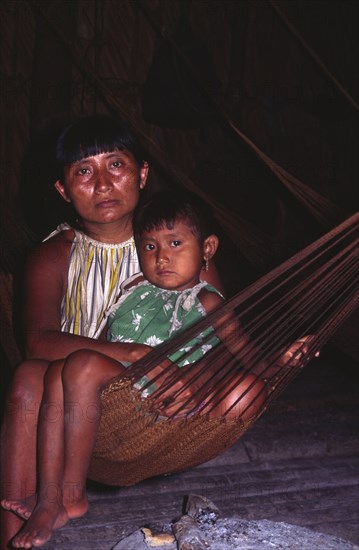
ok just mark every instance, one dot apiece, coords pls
pixel 103 183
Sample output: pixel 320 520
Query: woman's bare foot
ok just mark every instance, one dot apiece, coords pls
pixel 22 508
pixel 76 508
pixel 38 530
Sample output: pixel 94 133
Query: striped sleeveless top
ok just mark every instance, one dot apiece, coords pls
pixel 96 273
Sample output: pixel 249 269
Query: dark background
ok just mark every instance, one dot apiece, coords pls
pixel 223 95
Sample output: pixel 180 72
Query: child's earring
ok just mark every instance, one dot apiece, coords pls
pixel 206 264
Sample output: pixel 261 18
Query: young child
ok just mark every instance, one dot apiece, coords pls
pixel 175 243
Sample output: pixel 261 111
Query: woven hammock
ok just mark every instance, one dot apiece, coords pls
pixel 304 300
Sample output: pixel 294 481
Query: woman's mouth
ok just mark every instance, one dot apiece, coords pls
pixel 107 204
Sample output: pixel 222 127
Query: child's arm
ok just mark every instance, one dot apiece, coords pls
pixel 231 333
pixel 227 327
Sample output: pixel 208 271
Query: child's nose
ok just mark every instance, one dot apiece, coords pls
pixel 162 257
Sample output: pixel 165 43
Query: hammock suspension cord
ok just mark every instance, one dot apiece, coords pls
pixel 200 410
pixel 306 298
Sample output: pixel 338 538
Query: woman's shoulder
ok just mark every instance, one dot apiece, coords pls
pixel 65 237
pixel 54 249
pixel 63 230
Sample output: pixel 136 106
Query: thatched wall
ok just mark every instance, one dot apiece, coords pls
pixel 197 80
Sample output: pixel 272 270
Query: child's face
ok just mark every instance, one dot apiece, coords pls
pixel 104 188
pixel 171 258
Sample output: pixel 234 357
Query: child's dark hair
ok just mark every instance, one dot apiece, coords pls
pixel 163 209
pixel 93 135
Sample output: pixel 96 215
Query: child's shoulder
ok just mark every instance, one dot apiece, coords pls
pixel 210 297
pixel 133 281
pixel 128 288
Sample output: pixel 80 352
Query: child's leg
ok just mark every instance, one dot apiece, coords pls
pixel 244 399
pixel 70 436
pixel 18 444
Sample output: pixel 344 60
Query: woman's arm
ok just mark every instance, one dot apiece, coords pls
pixel 45 286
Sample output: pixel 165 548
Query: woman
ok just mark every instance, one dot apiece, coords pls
pixel 71 280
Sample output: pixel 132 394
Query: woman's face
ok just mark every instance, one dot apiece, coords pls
pixel 105 188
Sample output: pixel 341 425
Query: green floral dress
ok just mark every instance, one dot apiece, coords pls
pixel 150 315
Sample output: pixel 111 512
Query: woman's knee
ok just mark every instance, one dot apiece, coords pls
pixel 26 390
pixel 28 380
pixel 90 368
pixel 53 372
pixel 81 365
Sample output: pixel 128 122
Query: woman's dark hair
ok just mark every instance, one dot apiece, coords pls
pixel 163 209
pixel 94 135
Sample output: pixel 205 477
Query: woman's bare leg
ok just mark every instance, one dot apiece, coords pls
pixel 91 371
pixel 49 512
pixel 62 491
pixel 18 444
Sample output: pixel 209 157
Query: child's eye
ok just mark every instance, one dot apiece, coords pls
pixel 117 164
pixel 175 243
pixel 149 247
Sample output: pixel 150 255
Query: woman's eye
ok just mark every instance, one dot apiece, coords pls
pixel 175 243
pixel 83 171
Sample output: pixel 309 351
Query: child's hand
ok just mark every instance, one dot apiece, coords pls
pixel 293 355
